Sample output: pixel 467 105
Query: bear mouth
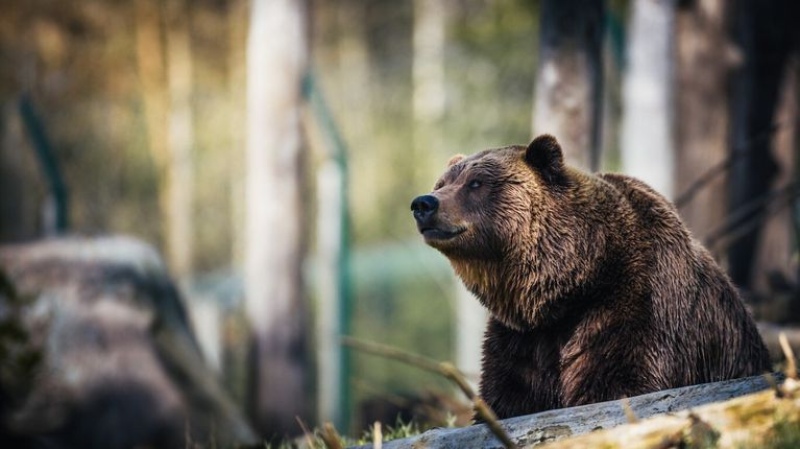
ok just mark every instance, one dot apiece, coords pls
pixel 440 234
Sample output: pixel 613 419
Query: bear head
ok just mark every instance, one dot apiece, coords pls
pixel 507 221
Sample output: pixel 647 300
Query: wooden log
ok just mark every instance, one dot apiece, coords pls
pixel 553 425
pixel 748 421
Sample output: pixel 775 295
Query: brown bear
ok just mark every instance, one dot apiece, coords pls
pixel 596 289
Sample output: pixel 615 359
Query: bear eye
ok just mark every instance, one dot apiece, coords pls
pixel 474 184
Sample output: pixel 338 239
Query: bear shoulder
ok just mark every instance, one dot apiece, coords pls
pixel 651 207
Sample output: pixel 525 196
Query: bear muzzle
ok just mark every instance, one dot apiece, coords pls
pixel 424 209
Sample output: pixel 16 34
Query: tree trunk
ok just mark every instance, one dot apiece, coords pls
pixel 763 30
pixel 430 20
pixel 428 95
pixel 647 139
pixel 568 89
pixel 181 139
pixel 166 95
pixel 277 58
pixel 776 254
pixel 150 64
pixel 237 15
pixel 704 59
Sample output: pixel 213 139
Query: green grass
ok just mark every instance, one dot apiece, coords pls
pixel 784 435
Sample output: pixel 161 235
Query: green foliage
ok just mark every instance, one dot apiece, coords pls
pixel 784 435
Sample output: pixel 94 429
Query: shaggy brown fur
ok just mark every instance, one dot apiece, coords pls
pixel 596 289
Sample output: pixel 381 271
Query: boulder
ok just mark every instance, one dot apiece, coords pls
pixel 98 352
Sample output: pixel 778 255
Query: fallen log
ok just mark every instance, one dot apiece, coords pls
pixel 554 425
pixel 748 421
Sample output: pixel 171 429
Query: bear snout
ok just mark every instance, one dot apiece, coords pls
pixel 424 207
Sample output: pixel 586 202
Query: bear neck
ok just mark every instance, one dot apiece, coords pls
pixel 526 294
pixel 562 266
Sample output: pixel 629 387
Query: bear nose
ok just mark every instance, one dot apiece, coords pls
pixel 424 206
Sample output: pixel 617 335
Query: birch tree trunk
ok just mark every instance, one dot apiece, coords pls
pixel 647 139
pixel 277 54
pixel 704 60
pixel 430 20
pixel 181 140
pixel 568 91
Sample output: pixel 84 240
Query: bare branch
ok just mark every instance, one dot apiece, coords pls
pixel 331 437
pixel 445 369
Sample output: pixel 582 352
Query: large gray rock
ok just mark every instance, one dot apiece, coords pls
pixel 97 352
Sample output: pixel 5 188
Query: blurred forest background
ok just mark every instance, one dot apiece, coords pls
pixel 270 151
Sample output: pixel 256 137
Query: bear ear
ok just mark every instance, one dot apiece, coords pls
pixel 544 155
pixel 455 160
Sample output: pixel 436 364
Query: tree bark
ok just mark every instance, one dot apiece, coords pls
pixel 568 89
pixel 647 139
pixel 704 59
pixel 277 59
